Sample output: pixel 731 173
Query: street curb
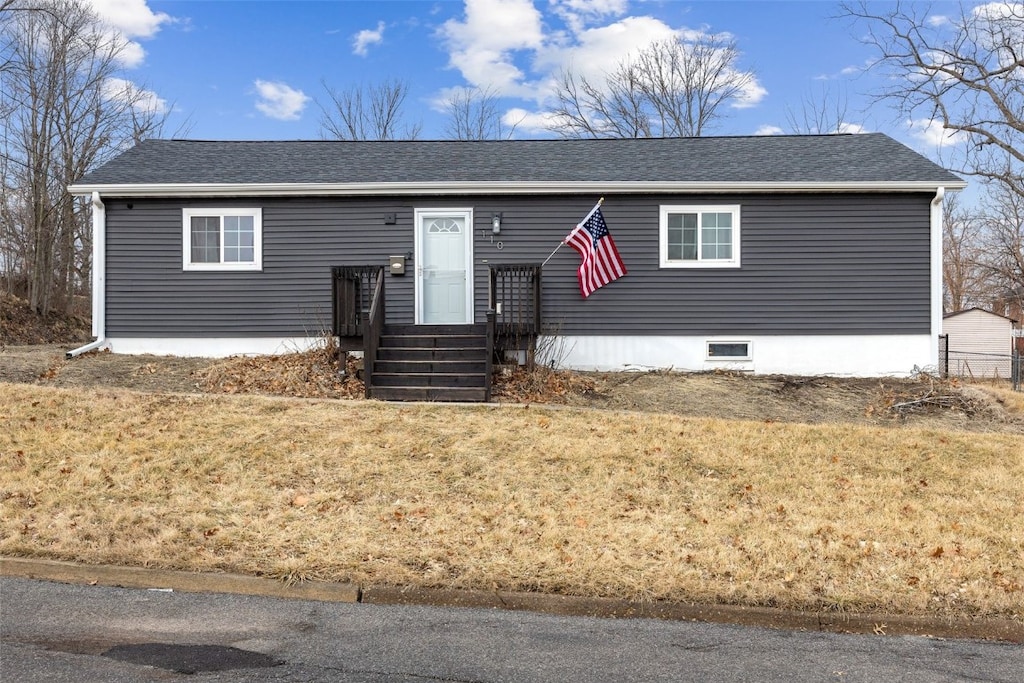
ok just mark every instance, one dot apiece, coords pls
pixel 766 617
pixel 187 582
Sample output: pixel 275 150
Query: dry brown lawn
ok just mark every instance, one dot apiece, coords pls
pixel 646 506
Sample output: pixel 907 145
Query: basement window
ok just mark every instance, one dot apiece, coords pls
pixel 729 350
pixel 222 239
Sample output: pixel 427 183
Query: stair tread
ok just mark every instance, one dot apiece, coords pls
pixel 432 348
pixel 431 363
pixel 420 375
pixel 438 361
pixel 440 394
pixel 413 387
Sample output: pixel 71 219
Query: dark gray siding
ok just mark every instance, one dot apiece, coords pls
pixel 811 264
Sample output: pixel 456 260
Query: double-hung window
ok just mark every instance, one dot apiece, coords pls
pixel 222 239
pixel 700 236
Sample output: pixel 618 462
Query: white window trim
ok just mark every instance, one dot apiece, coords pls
pixel 665 262
pixel 186 239
pixel 728 359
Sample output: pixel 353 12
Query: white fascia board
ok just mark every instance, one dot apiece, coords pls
pixel 476 188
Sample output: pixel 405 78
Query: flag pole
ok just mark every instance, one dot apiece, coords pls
pixel 596 207
pixel 552 254
pixel 585 219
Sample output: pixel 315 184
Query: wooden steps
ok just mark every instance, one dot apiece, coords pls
pixel 431 363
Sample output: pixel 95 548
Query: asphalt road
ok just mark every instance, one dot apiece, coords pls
pixel 57 632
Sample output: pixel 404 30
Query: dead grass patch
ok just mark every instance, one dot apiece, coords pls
pixel 1005 399
pixel 638 506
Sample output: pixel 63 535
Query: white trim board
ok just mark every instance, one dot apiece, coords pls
pixel 836 355
pixel 475 188
pixel 212 347
pixel 854 356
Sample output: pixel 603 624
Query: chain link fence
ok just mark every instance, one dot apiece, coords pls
pixel 974 366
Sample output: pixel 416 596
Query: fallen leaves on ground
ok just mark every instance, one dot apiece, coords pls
pixel 19 324
pixel 315 374
pixel 540 385
pixel 312 374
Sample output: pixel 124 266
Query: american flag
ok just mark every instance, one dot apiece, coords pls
pixel 601 261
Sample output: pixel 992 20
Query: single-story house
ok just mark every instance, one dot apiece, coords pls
pixel 771 254
pixel 979 344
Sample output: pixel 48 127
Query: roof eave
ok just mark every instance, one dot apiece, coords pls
pixel 476 188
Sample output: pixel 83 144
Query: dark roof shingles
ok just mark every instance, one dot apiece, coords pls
pixel 813 159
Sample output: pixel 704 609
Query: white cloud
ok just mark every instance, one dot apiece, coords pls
pixel 362 41
pixel 132 55
pixel 931 134
pixel 578 13
pixel 852 128
pixel 937 60
pixel 844 127
pixel 131 19
pixel 527 122
pixel 482 46
pixel 595 8
pixel 937 20
pixel 597 51
pixel 851 70
pixel 280 101
pixel 141 100
pixel 600 50
pixel 999 10
pixel 1000 27
pixel 750 95
pixel 505 46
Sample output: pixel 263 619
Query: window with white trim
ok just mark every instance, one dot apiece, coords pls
pixel 222 239
pixel 700 236
pixel 729 350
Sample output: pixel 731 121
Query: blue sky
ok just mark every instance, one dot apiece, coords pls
pixel 256 69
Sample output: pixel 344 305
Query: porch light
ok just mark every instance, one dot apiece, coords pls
pixel 496 223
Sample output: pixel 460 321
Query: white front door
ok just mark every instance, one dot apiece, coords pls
pixel 444 266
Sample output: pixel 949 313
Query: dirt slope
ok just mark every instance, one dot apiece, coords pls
pixel 885 402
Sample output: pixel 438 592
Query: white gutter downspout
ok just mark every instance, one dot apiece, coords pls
pixel 99 278
pixel 936 274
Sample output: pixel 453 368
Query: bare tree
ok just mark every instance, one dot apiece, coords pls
pixel 965 72
pixel 1002 262
pixel 671 88
pixel 473 114
pixel 613 108
pixel 821 113
pixel 372 112
pixel 963 272
pixel 62 118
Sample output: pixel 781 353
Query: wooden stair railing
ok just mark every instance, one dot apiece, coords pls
pixel 373 327
pixel 515 297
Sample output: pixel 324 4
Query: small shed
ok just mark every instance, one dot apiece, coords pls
pixel 980 344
